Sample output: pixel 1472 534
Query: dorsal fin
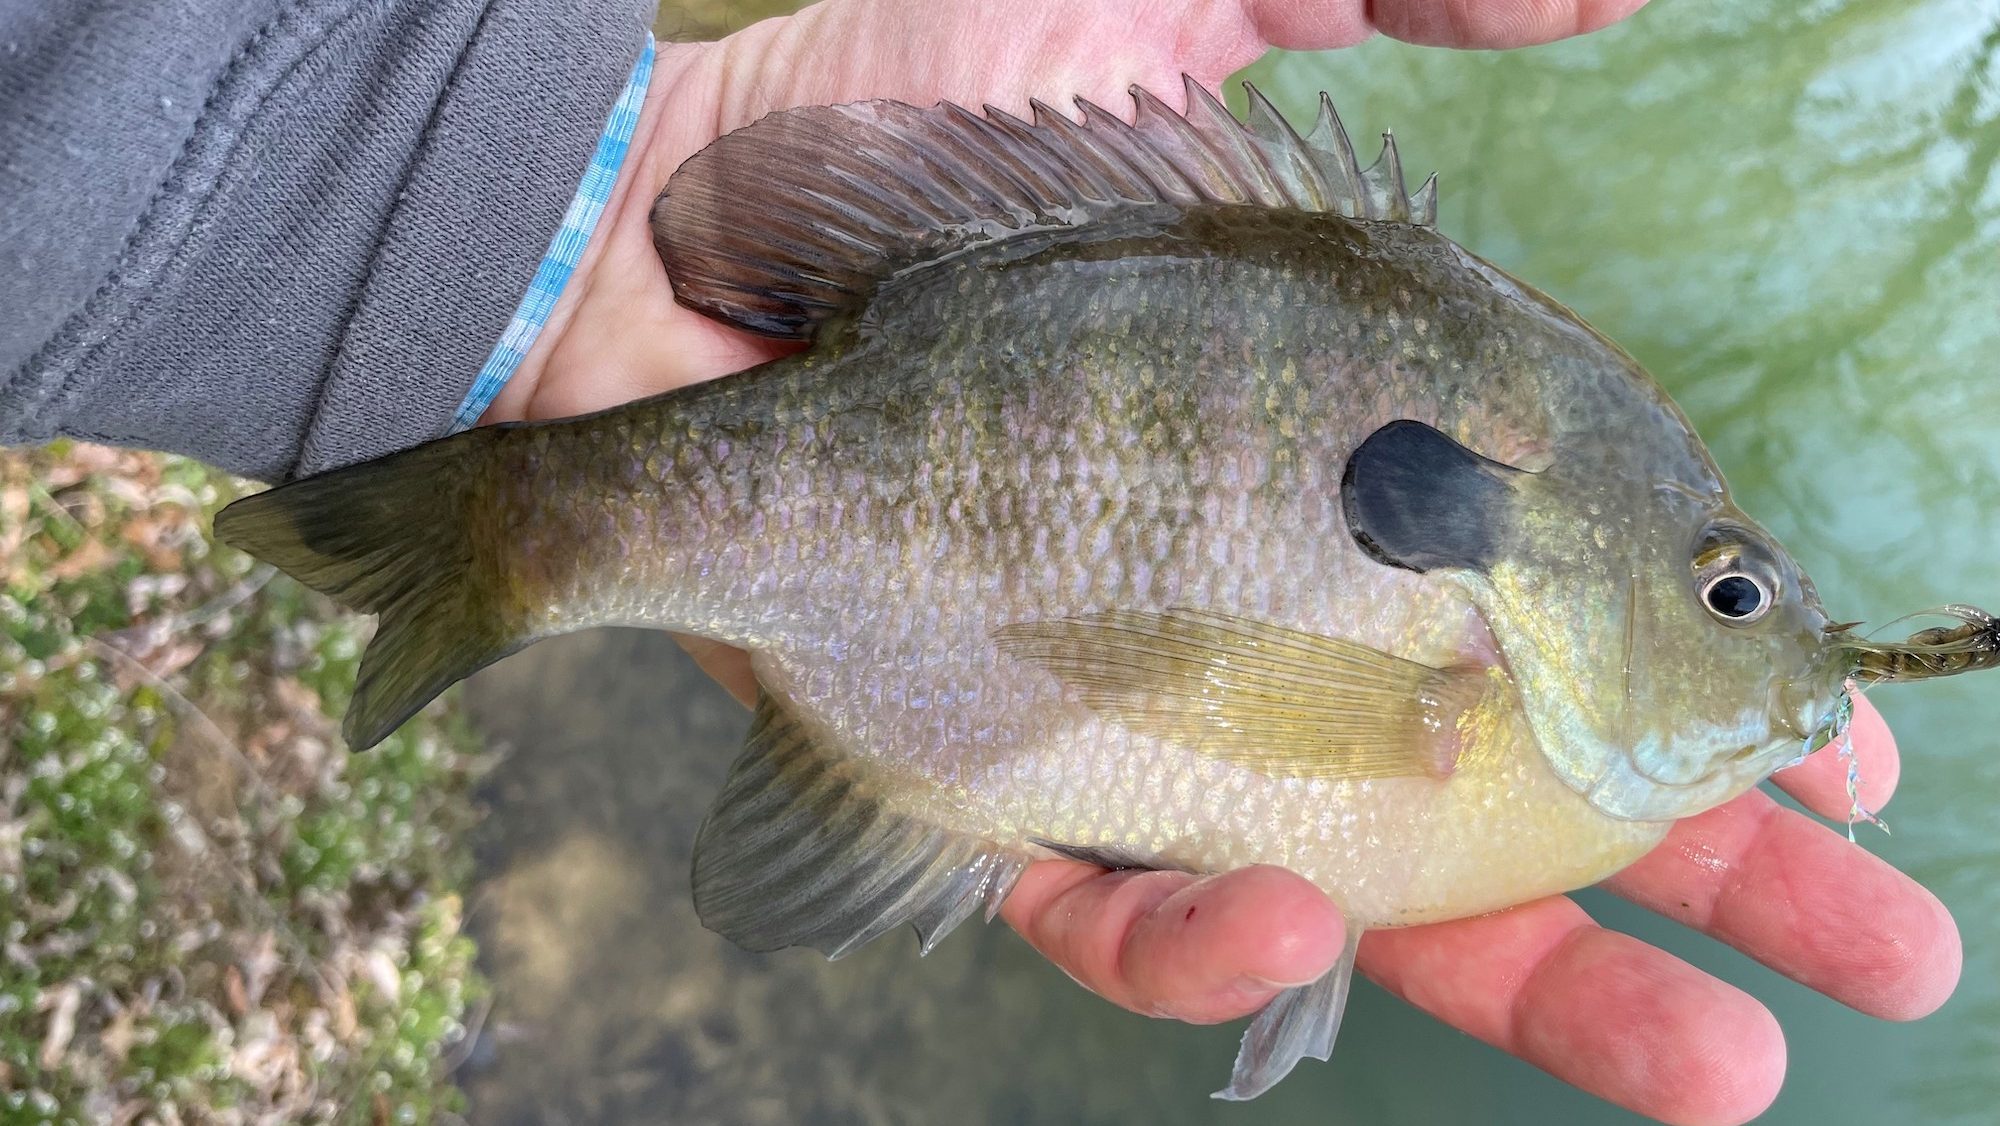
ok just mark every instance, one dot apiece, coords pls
pixel 796 218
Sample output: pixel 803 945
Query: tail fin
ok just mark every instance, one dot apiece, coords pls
pixel 389 537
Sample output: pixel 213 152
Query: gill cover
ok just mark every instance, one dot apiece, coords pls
pixel 1641 699
pixel 1648 696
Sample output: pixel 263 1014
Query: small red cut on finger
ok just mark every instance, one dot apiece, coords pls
pixel 1798 897
pixel 1820 782
pixel 1601 1010
pixel 1171 944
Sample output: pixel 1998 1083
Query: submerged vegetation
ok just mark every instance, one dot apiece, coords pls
pixel 209 912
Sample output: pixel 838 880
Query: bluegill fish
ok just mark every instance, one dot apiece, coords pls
pixel 1166 494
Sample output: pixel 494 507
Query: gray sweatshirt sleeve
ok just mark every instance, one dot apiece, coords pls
pixel 281 235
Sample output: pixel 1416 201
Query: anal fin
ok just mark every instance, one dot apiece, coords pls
pixel 1296 1024
pixel 800 851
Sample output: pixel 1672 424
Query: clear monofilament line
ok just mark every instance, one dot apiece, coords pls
pixel 1842 724
pixel 1835 728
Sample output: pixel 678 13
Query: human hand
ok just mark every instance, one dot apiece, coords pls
pixel 1601 1010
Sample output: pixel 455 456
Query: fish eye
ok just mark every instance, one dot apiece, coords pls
pixel 1735 574
pixel 1736 598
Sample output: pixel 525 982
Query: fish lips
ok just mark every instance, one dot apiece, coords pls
pixel 1807 705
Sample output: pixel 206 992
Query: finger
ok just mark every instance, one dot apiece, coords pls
pixel 1495 23
pixel 1820 782
pixel 1603 1011
pixel 1176 945
pixel 729 666
pixel 1798 897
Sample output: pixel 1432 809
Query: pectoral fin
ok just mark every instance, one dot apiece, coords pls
pixel 1276 700
pixel 1296 1024
pixel 800 851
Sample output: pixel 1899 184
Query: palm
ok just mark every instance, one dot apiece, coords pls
pixel 1598 1009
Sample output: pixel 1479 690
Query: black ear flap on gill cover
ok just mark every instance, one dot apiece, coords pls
pixel 1417 500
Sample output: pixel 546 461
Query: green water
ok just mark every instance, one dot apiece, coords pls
pixel 1788 213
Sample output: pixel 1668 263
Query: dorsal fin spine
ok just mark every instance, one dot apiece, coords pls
pixel 1104 169
pixel 1027 151
pixel 1036 200
pixel 1424 204
pixel 1151 170
pixel 1329 137
pixel 1224 136
pixel 1207 174
pixel 787 224
pixel 1384 180
pixel 1265 119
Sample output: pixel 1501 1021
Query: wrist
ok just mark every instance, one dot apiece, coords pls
pixel 616 333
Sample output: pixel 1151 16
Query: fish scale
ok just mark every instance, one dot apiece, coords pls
pixel 1161 495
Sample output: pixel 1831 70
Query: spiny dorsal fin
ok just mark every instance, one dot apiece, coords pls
pixel 1273 699
pixel 785 223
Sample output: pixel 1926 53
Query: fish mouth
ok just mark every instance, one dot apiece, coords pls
pixel 1805 705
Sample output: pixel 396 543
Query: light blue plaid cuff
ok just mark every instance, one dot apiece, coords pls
pixel 585 208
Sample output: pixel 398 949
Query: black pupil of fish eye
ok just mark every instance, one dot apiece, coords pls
pixel 1735 596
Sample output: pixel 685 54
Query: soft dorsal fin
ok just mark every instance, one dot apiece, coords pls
pixel 796 218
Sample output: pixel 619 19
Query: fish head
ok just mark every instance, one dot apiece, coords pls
pixel 1670 652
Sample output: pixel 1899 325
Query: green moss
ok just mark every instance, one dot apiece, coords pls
pixel 178 1058
pixel 198 885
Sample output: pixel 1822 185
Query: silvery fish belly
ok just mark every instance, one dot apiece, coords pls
pixel 1168 494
